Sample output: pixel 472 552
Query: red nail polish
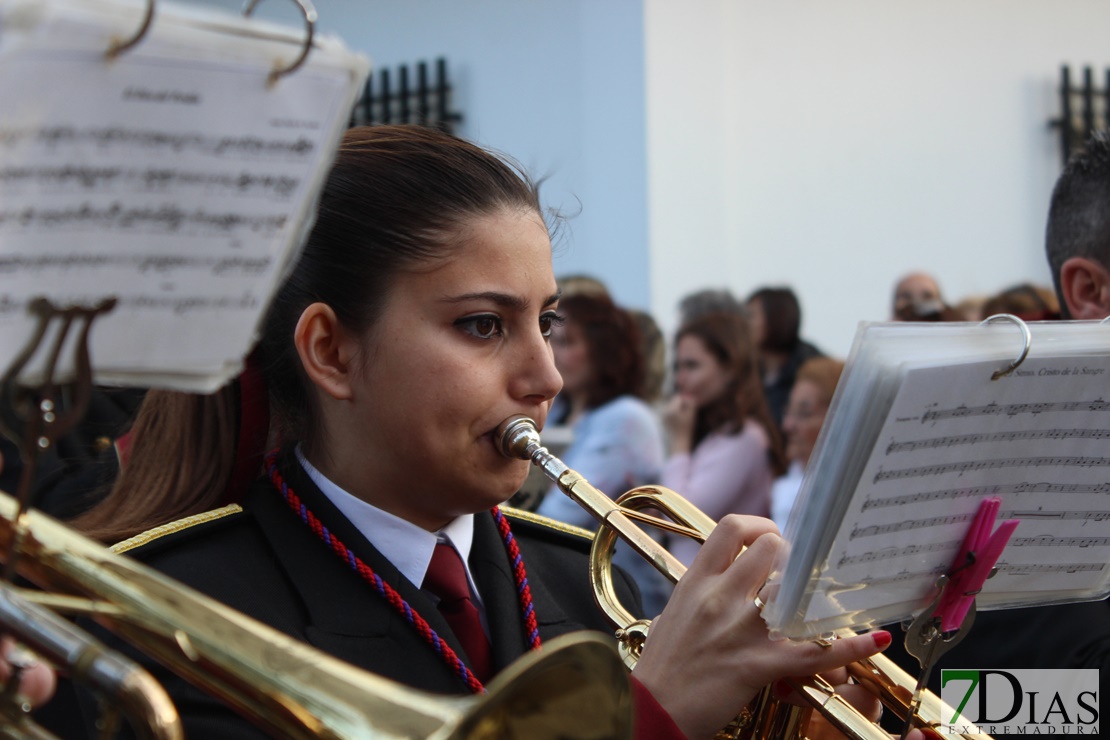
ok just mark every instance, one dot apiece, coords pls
pixel 882 639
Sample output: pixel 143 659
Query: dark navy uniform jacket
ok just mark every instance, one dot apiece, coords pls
pixel 265 562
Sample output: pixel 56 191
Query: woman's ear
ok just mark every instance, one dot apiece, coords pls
pixel 326 350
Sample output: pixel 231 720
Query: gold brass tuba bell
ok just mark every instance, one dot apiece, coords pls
pixel 575 686
pixel 768 717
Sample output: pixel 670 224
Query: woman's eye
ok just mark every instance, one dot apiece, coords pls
pixel 483 327
pixel 549 321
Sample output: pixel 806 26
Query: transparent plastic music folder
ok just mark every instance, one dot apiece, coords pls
pixel 927 421
pixel 177 175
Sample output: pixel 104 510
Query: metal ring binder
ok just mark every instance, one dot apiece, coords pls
pixel 1026 336
pixel 118 47
pixel 310 30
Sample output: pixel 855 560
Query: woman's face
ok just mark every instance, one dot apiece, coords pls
pixel 802 420
pixel 459 347
pixel 698 373
pixel 572 357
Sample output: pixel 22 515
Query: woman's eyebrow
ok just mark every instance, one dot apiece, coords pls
pixel 506 300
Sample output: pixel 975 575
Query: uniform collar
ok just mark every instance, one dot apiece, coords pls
pixel 404 544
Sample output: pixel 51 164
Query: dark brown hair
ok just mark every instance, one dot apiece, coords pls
pixel 1026 301
pixel 612 344
pixel 782 317
pixel 186 443
pixel 727 337
pixel 396 198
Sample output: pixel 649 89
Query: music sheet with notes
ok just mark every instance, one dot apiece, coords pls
pixel 174 177
pixel 948 436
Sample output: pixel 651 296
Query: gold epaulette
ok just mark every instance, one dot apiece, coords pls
pixel 166 529
pixel 543 521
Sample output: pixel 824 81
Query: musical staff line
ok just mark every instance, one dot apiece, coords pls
pixel 54 137
pixel 1014 409
pixel 909 525
pixel 118 217
pixel 940 521
pixel 1046 540
pixel 950 494
pixel 70 178
pixel 888 553
pixel 970 466
pixel 1015 569
pixel 177 305
pixel 1027 435
pixel 1008 569
pixel 901 577
pixel 143 264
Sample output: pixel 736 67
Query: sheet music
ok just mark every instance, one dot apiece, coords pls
pixel 951 441
pixel 873 536
pixel 172 177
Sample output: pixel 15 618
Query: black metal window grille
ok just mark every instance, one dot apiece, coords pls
pixel 405 95
pixel 1083 109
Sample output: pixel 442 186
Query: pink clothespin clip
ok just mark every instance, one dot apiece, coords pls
pixel 973 564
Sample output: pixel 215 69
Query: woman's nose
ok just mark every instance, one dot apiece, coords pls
pixel 538 376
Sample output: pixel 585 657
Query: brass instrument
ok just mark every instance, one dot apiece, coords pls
pixel 519 438
pixel 575 687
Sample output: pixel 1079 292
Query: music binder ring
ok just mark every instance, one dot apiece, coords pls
pixel 118 47
pixel 1026 336
pixel 309 12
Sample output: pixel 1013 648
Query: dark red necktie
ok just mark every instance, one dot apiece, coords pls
pixel 446 578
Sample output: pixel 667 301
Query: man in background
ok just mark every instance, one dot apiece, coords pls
pixel 1077 238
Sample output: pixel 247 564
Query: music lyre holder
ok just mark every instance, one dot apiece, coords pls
pixel 948 618
pixel 34 414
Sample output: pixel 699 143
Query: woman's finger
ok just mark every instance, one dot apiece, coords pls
pixel 812 657
pixel 37 680
pixel 731 535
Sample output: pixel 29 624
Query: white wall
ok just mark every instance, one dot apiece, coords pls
pixel 834 146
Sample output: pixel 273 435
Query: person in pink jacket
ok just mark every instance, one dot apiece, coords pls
pixel 725 449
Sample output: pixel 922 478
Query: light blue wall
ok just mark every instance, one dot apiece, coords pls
pixel 556 84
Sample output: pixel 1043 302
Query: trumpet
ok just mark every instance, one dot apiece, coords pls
pixel 518 437
pixel 574 687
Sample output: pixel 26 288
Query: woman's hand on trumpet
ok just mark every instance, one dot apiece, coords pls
pixel 36 679
pixel 855 694
pixel 709 654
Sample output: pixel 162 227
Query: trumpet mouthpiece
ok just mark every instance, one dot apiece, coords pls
pixel 515 435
